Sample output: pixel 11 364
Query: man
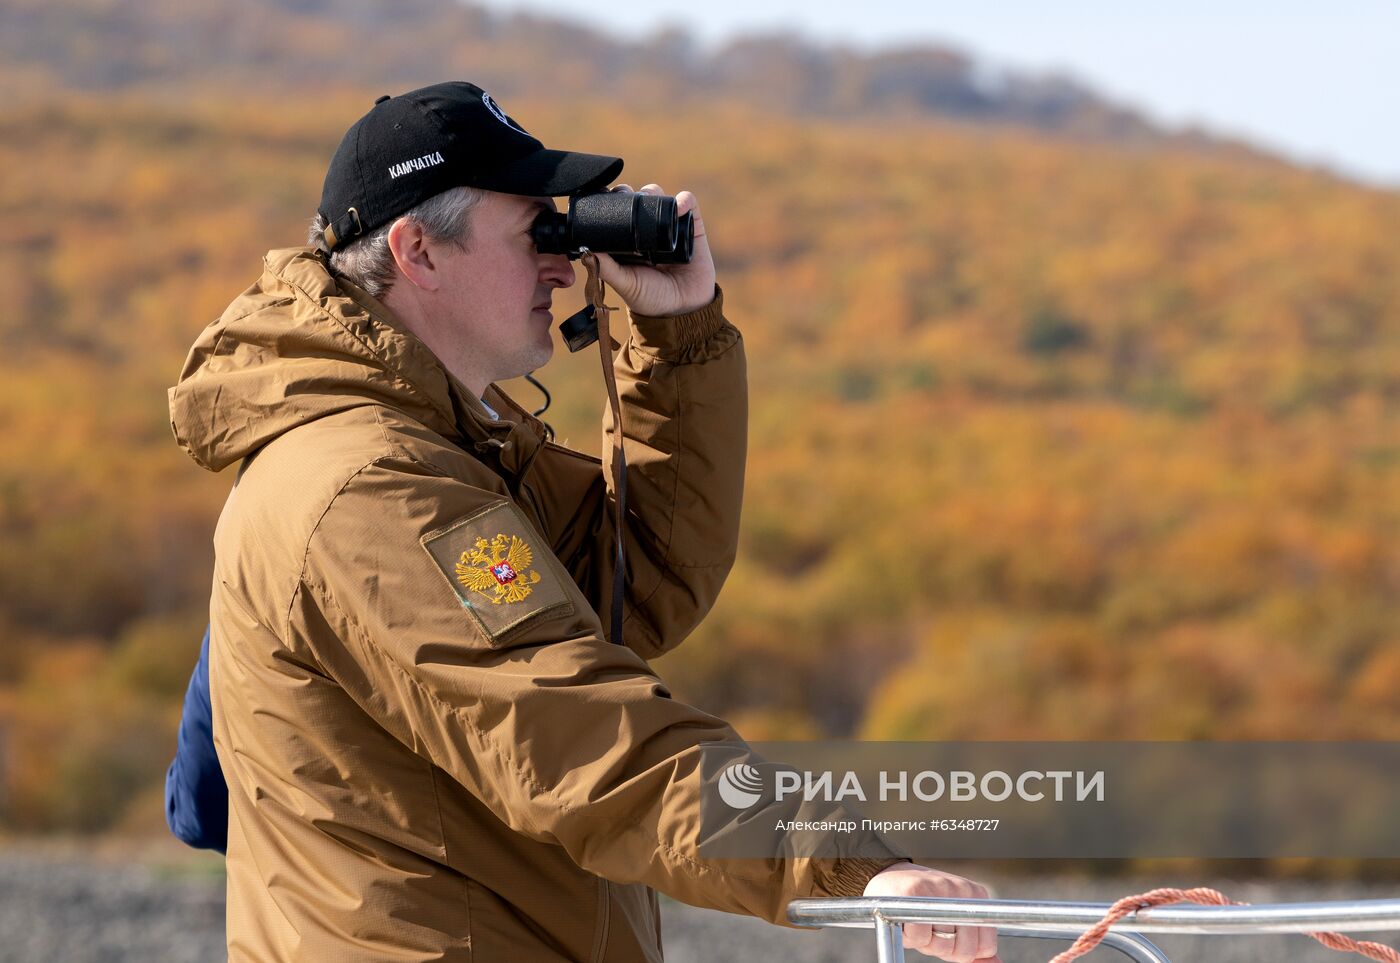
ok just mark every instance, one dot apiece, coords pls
pixel 432 749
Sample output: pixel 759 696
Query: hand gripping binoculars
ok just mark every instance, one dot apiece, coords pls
pixel 633 228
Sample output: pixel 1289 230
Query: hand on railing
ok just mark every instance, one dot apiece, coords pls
pixel 1120 925
pixel 957 944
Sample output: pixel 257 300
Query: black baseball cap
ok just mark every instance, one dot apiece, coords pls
pixel 413 146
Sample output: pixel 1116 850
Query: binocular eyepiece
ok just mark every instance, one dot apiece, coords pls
pixel 633 228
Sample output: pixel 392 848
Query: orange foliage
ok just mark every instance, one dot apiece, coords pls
pixel 1048 440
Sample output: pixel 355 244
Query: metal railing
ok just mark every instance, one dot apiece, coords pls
pixel 1051 920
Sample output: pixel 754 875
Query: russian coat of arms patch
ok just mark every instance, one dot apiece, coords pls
pixel 499 569
pixel 490 561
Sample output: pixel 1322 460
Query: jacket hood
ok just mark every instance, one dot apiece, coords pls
pixel 300 344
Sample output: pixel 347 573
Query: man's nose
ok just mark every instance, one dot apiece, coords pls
pixel 557 269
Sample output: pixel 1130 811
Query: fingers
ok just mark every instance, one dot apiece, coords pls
pixel 986 943
pixel 685 201
pixel 956 944
pixel 686 204
pixel 943 941
pixel 978 942
pixel 648 189
pixel 917 936
pixel 972 944
pixel 610 271
pixel 936 940
pixel 960 944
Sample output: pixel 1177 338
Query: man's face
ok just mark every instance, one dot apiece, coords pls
pixel 498 290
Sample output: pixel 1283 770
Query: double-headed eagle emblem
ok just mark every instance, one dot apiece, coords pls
pixel 499 569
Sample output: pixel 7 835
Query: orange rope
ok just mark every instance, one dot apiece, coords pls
pixel 1163 897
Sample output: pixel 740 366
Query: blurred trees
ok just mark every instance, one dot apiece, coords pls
pixel 1047 440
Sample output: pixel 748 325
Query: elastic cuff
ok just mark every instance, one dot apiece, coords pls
pixel 848 876
pixel 675 337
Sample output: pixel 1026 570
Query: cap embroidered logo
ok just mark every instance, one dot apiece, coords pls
pixel 498 113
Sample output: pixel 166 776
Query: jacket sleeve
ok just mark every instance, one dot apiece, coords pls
pixel 441 612
pixel 682 384
pixel 196 796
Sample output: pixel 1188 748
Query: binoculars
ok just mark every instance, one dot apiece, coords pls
pixel 633 228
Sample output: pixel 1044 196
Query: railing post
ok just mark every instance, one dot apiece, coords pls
pixel 889 940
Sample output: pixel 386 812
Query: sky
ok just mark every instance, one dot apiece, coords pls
pixel 1318 82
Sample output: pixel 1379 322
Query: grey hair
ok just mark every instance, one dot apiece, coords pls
pixel 368 262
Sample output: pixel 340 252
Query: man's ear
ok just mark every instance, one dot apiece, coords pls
pixel 414 254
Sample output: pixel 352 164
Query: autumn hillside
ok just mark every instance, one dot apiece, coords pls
pixel 178 49
pixel 1051 437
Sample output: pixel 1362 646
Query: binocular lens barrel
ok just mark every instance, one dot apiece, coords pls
pixel 633 228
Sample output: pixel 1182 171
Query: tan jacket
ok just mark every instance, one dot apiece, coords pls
pixel 432 751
